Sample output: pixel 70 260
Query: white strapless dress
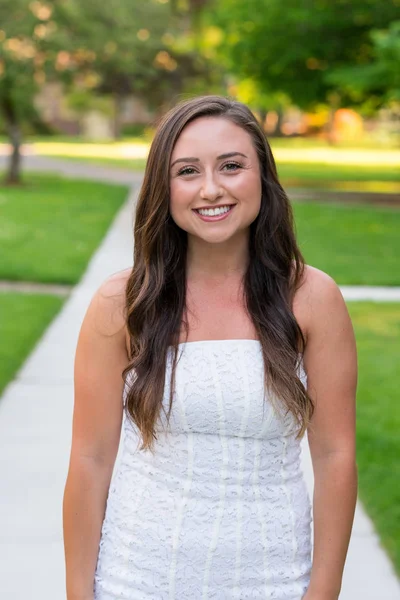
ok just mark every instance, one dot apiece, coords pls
pixel 221 510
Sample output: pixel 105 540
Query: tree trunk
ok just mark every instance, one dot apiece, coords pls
pixel 117 115
pixel 334 103
pixel 330 131
pixel 263 115
pixel 13 175
pixel 278 131
pixel 14 168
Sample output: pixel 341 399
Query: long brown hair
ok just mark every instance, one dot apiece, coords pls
pixel 155 301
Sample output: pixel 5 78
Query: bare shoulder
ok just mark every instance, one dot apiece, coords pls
pixel 317 284
pixel 317 298
pixel 106 311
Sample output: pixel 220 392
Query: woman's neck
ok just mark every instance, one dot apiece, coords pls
pixel 223 261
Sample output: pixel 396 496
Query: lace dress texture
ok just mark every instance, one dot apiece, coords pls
pixel 221 510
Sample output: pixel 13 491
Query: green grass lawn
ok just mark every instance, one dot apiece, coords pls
pixel 50 227
pixel 331 173
pixel 324 176
pixel 355 244
pixel 23 318
pixel 377 328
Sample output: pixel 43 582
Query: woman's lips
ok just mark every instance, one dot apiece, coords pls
pixel 208 218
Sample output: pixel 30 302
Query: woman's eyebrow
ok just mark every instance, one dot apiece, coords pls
pixel 187 159
pixel 194 159
pixel 230 154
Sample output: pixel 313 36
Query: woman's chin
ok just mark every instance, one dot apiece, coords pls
pixel 211 238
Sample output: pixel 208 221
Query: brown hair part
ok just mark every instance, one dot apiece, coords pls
pixel 156 289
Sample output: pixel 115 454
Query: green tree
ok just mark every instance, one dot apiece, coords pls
pixel 383 73
pixel 19 66
pixel 295 47
pixel 135 48
pixel 118 47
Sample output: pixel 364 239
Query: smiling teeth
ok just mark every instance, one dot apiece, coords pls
pixel 213 212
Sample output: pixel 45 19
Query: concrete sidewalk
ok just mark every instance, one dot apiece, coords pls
pixel 35 435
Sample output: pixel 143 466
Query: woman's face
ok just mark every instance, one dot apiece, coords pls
pixel 214 164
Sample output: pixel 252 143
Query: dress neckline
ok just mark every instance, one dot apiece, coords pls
pixel 229 340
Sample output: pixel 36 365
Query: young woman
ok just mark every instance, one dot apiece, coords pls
pixel 220 347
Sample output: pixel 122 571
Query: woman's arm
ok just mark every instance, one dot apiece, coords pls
pixel 330 360
pixel 100 358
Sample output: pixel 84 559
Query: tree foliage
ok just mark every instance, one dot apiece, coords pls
pixel 381 75
pixel 297 46
pixel 117 47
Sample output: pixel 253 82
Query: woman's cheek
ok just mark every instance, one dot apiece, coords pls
pixel 181 193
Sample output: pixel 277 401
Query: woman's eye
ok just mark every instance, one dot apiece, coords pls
pixel 232 166
pixel 187 171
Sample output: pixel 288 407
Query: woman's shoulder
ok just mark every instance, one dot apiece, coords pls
pixel 316 281
pixel 115 284
pixel 317 295
pixel 107 308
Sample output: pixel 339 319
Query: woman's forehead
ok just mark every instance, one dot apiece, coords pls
pixel 211 134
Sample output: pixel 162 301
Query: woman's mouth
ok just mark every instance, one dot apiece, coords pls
pixel 214 214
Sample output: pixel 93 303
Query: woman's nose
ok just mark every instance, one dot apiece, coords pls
pixel 210 188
